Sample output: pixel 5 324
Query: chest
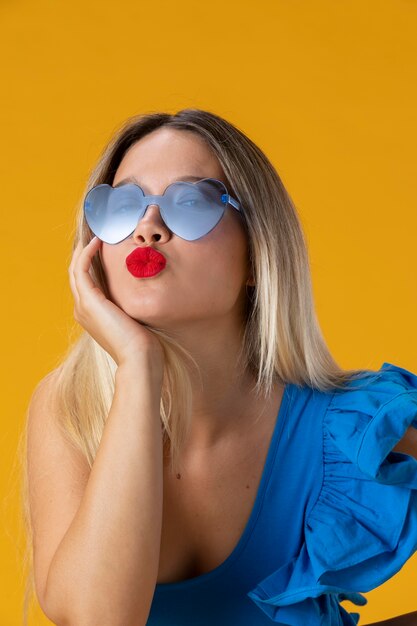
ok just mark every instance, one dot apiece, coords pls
pixel 206 510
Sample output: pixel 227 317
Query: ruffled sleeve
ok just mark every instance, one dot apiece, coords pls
pixel 363 526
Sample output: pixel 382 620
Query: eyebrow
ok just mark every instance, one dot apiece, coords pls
pixel 132 179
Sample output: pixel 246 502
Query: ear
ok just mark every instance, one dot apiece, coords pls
pixel 251 281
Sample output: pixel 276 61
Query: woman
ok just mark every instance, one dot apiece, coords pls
pixel 199 457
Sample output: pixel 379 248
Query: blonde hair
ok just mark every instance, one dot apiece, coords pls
pixel 282 340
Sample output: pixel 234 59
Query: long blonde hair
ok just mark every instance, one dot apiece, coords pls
pixel 282 340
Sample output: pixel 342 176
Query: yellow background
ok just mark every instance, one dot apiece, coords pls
pixel 326 88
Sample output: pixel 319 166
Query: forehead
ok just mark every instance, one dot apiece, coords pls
pixel 133 179
pixel 165 155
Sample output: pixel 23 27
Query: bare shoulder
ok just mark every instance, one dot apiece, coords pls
pixel 57 477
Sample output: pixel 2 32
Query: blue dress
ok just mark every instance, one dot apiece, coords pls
pixel 335 514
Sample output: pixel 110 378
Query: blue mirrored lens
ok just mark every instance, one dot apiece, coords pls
pixel 112 216
pixel 193 210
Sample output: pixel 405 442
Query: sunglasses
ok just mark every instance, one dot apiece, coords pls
pixel 190 210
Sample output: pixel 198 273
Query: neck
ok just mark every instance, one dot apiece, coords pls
pixel 224 402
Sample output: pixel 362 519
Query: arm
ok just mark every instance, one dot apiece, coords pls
pixel 408 444
pixel 105 568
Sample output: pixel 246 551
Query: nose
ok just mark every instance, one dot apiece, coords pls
pixel 151 227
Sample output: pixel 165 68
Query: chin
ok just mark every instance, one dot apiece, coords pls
pixel 144 313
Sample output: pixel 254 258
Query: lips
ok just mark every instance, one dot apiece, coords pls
pixel 144 262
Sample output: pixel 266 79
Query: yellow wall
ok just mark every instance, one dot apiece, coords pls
pixel 327 89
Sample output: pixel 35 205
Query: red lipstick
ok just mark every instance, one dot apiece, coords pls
pixel 144 262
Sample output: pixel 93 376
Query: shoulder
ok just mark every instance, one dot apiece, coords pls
pixel 368 419
pixel 362 528
pixel 42 402
pixel 45 387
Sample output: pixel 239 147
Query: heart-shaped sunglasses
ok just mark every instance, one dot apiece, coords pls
pixel 190 210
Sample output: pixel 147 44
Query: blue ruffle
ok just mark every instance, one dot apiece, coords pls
pixel 363 525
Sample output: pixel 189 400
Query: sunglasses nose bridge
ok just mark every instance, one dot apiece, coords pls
pixel 150 201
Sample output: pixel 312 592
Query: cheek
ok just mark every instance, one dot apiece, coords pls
pixel 111 258
pixel 225 269
pixel 112 262
pixel 217 273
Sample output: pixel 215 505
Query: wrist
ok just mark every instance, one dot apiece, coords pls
pixel 141 369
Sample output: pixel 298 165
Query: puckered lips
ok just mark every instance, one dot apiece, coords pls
pixel 145 262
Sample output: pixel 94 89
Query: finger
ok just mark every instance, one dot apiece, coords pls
pixel 76 251
pixel 89 251
pixel 82 264
pixel 75 254
pixel 73 287
pixel 79 276
pixel 84 258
